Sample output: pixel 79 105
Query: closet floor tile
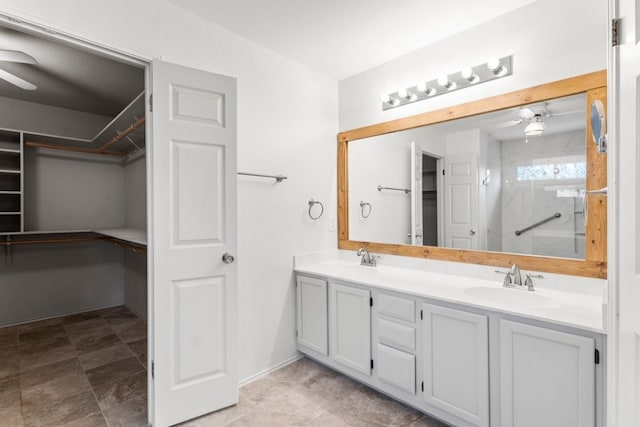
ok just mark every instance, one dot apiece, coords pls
pixel 91 344
pixel 128 414
pixel 80 317
pixel 121 390
pixel 9 364
pixel 87 329
pixel 34 360
pixel 25 327
pixel 132 330
pixel 49 372
pixel 104 356
pixel 112 371
pixel 139 348
pixel 61 412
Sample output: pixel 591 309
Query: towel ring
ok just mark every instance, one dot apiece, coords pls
pixel 363 206
pixel 311 204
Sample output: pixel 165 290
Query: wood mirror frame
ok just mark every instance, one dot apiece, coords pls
pixel 595 262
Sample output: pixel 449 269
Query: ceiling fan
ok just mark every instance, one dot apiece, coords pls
pixel 18 57
pixel 533 116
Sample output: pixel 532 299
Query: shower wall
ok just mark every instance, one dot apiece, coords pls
pixel 540 178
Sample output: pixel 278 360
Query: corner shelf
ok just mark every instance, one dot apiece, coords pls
pixel 11 181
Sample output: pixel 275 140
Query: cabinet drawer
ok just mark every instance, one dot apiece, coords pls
pixel 397 368
pixel 400 308
pixel 395 334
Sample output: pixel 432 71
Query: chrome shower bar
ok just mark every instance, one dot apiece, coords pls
pixel 544 221
pixel 278 178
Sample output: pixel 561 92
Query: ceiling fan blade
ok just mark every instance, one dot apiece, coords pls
pixel 15 80
pixel 564 113
pixel 526 113
pixel 506 124
pixel 16 56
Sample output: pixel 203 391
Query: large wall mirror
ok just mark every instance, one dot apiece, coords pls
pixel 498 181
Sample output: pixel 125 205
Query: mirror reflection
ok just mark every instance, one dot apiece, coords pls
pixel 508 181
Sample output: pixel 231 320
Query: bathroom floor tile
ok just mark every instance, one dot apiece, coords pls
pixel 132 330
pixel 35 359
pixel 8 339
pixel 104 356
pixel 53 383
pixel 93 420
pixel 87 329
pixel 80 317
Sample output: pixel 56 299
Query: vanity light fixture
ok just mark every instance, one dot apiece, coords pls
pixel 493 69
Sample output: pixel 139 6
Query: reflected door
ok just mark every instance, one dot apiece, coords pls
pixel 193 240
pixel 416 194
pixel 461 202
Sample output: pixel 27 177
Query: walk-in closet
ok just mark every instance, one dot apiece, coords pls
pixel 73 221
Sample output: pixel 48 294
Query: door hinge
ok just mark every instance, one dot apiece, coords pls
pixel 423 386
pixel 370 301
pixel 615 32
pixel 597 356
pixel 421 318
pixel 151 103
pixel 443 172
pixel 371 363
pixel 153 369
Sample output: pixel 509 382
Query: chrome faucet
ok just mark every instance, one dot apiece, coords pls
pixel 516 277
pixel 367 258
pixel 513 279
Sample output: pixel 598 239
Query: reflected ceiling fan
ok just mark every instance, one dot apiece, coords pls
pixel 533 116
pixel 21 58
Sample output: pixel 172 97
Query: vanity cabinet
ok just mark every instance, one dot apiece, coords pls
pixel 350 327
pixel 547 377
pixel 311 314
pixel 435 356
pixel 456 362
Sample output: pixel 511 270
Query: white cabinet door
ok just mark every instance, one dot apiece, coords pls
pixel 396 368
pixel 193 223
pixel 547 378
pixel 311 314
pixel 456 362
pixel 350 327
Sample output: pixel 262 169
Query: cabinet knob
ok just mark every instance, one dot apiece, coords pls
pixel 227 258
pixel 472 231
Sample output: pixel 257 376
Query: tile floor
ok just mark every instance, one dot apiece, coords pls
pixel 306 393
pixel 84 370
pixel 88 370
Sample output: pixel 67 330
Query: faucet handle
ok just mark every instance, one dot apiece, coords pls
pixel 528 282
pixel 507 283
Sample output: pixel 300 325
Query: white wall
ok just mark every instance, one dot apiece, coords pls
pixel 287 123
pixel 385 160
pixel 549 40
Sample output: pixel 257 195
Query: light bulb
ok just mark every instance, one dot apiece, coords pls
pixel 404 93
pixel 446 83
pixel 425 88
pixel 386 98
pixel 496 67
pixel 469 75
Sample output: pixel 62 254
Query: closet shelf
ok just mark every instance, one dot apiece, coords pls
pixel 10 192
pixel 11 171
pixel 124 135
pixel 9 150
pixel 10 213
pixel 132 235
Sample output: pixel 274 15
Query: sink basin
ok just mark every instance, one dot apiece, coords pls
pixel 510 297
pixel 358 269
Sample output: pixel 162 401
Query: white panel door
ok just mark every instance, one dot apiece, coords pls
pixel 623 401
pixel 350 327
pixel 456 362
pixel 461 202
pixel 416 194
pixel 547 378
pixel 311 314
pixel 193 223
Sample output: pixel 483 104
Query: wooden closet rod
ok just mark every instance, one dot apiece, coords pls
pixel 75 149
pixel 40 241
pixel 122 134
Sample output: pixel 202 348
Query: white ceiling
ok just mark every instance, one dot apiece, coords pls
pixel 68 77
pixel 344 37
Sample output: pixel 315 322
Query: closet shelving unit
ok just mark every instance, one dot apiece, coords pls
pixel 123 137
pixel 11 182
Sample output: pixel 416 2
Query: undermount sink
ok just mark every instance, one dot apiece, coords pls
pixel 358 268
pixel 506 296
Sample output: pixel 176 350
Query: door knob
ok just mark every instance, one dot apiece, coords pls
pixel 227 258
pixel 472 231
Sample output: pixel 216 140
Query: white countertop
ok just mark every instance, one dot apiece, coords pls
pixel 583 311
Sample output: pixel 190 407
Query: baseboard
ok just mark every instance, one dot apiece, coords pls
pixel 267 371
pixel 61 314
